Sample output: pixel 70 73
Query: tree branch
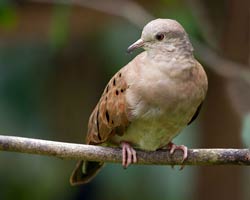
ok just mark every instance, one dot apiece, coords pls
pixel 107 154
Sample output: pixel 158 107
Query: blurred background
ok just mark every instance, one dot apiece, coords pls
pixel 55 59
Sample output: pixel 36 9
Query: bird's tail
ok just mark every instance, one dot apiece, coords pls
pixel 85 171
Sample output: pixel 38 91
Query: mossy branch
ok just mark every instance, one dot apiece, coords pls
pixel 106 154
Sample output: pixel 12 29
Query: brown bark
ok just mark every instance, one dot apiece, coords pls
pixel 106 154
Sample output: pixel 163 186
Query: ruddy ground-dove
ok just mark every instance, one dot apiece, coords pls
pixel 150 100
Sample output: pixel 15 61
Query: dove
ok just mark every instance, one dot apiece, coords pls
pixel 147 103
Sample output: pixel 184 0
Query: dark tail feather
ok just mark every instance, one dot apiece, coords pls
pixel 84 172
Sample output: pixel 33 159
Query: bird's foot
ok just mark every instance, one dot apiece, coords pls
pixel 128 155
pixel 172 147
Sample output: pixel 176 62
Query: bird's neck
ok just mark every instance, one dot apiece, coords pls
pixel 178 54
pixel 175 63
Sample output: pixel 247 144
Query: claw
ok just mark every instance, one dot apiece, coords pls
pixel 174 147
pixel 128 155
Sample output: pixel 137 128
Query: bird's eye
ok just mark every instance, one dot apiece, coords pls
pixel 159 36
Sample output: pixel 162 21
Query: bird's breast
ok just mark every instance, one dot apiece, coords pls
pixel 161 101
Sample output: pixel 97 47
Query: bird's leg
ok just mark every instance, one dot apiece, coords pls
pixel 172 147
pixel 128 154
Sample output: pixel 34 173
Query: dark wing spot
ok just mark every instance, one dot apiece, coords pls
pixel 120 74
pixel 122 90
pixel 106 98
pixel 107 89
pixel 107 116
pixel 116 92
pixel 119 130
pixel 114 82
pixel 112 122
pixel 97 124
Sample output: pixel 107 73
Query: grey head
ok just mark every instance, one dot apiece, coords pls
pixel 164 35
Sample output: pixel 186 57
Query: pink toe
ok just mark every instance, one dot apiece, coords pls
pixel 185 152
pixel 172 147
pixel 123 156
pixel 128 155
pixel 134 156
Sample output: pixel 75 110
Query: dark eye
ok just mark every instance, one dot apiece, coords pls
pixel 159 36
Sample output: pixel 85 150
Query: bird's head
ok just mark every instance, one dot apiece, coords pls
pixel 164 35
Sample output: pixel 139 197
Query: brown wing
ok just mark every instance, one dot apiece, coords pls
pixel 110 114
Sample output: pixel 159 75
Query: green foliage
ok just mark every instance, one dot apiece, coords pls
pixel 59 31
pixel 8 18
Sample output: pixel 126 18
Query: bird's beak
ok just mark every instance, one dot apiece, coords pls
pixel 139 43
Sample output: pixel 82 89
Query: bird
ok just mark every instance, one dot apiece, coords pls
pixel 147 103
